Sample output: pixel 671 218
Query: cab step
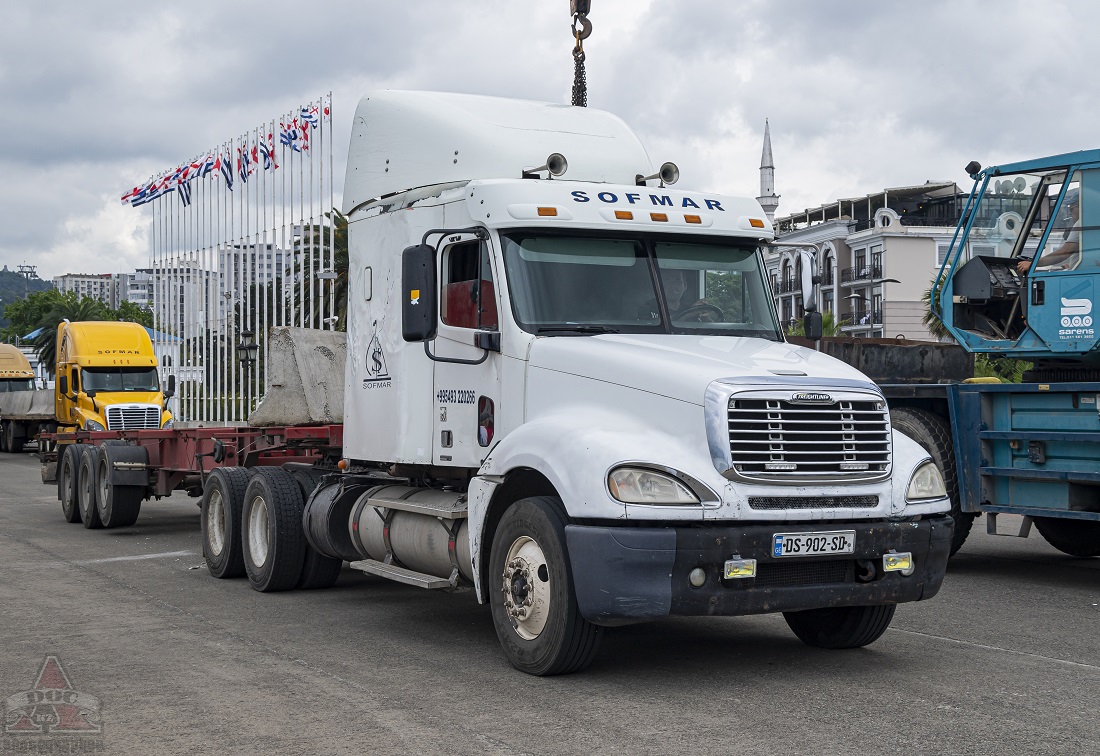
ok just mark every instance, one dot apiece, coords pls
pixel 406 576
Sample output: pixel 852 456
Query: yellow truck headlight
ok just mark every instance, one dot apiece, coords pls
pixel 926 483
pixel 92 425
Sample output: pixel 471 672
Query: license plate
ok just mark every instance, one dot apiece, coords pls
pixel 814 544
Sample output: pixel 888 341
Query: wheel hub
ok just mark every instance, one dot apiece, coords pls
pixel 526 588
pixel 215 523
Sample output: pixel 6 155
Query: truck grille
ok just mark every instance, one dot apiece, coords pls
pixel 133 417
pixel 780 440
pixel 775 575
pixel 812 502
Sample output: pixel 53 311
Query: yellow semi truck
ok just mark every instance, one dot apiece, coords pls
pixel 107 378
pixel 24 411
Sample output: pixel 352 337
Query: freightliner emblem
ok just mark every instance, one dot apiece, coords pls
pixel 812 398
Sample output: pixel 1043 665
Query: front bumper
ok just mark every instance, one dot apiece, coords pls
pixel 624 575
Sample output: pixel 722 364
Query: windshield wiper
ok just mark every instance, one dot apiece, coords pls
pixel 579 328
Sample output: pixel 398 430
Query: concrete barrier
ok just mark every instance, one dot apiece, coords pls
pixel 305 369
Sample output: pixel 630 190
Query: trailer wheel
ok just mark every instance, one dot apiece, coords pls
pixel 273 542
pixel 934 435
pixel 1079 538
pixel 67 481
pixel 531 592
pixel 841 627
pixel 86 487
pixel 222 501
pixel 14 440
pixel 318 571
pixel 118 506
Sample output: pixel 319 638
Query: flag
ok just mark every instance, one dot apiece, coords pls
pixel 244 167
pixel 126 198
pixel 293 136
pixel 224 163
pixel 326 109
pixel 267 149
pixel 309 116
pixel 185 193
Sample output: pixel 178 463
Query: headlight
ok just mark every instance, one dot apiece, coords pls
pixel 637 485
pixel 926 483
pixel 169 424
pixel 92 425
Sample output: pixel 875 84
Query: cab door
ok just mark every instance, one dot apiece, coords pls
pixel 467 377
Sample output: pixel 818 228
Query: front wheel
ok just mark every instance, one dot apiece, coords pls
pixel 842 627
pixel 531 592
pixel 1079 538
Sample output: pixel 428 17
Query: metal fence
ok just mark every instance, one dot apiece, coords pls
pixel 241 240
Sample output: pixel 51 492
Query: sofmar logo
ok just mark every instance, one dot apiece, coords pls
pixel 1076 313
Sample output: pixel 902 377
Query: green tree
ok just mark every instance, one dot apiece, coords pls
pixel 311 253
pixel 829 326
pixel 132 313
pixel 66 307
pixel 24 315
pixel 931 320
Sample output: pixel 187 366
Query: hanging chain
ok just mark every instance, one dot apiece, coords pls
pixel 582 28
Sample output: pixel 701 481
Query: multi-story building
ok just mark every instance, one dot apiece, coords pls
pixel 876 255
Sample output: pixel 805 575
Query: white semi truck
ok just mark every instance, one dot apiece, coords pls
pixel 567 390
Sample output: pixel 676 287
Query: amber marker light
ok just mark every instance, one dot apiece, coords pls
pixel 548 212
pixel 659 217
pixel 342 464
pixel 693 219
pixel 624 215
pixel 756 223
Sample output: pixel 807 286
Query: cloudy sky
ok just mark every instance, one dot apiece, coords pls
pixel 861 95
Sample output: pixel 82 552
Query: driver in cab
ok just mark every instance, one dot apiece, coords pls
pixel 683 305
pixel 1066 255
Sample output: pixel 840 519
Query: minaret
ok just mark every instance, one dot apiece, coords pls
pixel 768 199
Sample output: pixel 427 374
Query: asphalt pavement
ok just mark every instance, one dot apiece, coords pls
pixel 120 642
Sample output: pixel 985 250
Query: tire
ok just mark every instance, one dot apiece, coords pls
pixel 14 440
pixel 843 627
pixel 118 506
pixel 318 571
pixel 86 487
pixel 67 474
pixel 222 501
pixel 528 560
pixel 1079 538
pixel 934 435
pixel 272 540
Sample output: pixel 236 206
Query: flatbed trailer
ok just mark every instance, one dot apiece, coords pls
pixel 134 465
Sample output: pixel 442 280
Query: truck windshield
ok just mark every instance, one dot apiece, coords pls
pixel 645 284
pixel 16 384
pixel 120 379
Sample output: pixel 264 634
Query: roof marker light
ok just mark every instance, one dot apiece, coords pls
pixel 756 223
pixel 548 212
pixel 692 219
pixel 659 217
pixel 624 215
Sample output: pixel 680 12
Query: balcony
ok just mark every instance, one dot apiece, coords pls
pixel 861 318
pixel 786 286
pixel 828 278
pixel 861 273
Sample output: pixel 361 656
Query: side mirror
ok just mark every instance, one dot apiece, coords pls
pixel 63 384
pixel 419 316
pixel 171 388
pixel 812 326
pixel 809 280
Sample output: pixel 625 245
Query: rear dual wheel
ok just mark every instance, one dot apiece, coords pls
pixel 1079 538
pixel 273 542
pixel 222 500
pixel 118 506
pixel 67 481
pixel 86 487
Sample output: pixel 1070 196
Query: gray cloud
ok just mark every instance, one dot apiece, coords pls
pixel 861 94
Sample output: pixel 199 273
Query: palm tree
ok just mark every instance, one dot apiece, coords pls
pixel 931 320
pixel 67 307
pixel 829 326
